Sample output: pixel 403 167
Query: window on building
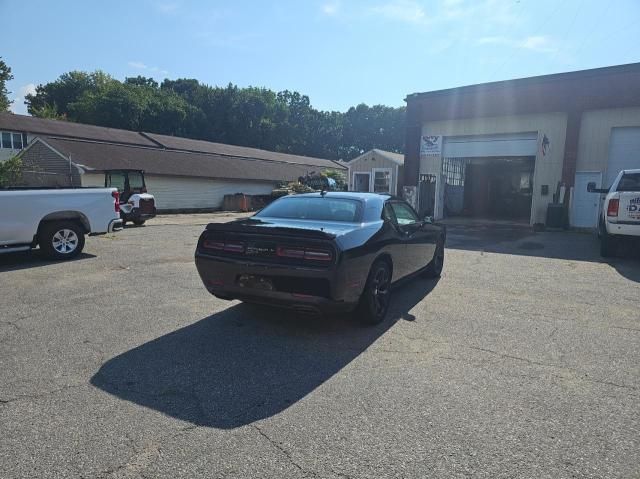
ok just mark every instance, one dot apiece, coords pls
pixel 17 141
pixel 6 139
pixel 382 181
pixel 12 140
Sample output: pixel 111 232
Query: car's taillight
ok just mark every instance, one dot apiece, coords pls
pixel 116 197
pixel 310 254
pixel 143 189
pixel 234 247
pixel 612 207
pixel 223 246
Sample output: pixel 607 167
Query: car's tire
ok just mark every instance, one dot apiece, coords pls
pixel 375 298
pixel 434 268
pixel 61 240
pixel 608 245
pixel 138 222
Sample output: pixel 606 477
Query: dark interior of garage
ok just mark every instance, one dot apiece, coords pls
pixel 491 188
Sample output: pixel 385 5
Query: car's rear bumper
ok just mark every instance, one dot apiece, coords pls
pixel 628 229
pixel 297 288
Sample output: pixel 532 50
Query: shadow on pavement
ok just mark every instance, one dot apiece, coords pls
pixel 32 259
pixel 244 363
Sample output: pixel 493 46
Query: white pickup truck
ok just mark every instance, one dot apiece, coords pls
pixel 620 212
pixel 56 220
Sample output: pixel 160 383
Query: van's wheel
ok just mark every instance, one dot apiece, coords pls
pixel 608 245
pixel 138 222
pixel 61 239
pixel 376 296
pixel 434 268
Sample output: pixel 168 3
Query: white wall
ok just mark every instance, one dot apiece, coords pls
pixel 548 168
pixel 176 192
pixel 595 133
pixel 172 192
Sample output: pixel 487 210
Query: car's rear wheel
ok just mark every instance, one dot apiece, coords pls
pixel 434 268
pixel 61 240
pixel 138 222
pixel 376 296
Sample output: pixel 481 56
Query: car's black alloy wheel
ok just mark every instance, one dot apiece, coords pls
pixel 376 296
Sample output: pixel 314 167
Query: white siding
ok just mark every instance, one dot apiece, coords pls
pixel 92 179
pixel 177 192
pixel 595 134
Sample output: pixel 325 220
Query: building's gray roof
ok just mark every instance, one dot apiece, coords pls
pixel 101 148
pixel 100 156
pixel 187 144
pixel 42 126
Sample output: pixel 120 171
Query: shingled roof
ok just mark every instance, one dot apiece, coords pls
pixel 42 126
pixel 99 156
pixel 99 138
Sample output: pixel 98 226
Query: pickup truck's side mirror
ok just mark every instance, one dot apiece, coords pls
pixel 591 186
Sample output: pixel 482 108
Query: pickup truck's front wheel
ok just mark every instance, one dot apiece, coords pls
pixel 61 239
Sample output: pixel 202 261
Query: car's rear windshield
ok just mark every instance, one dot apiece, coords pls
pixel 314 208
pixel 629 182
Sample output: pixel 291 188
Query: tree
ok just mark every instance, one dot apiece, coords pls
pixel 67 89
pixel 5 76
pixel 258 117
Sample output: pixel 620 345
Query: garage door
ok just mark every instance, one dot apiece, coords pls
pixel 504 145
pixel 176 192
pixel 624 152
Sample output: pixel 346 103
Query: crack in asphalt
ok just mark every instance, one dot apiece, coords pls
pixel 286 453
pixel 143 457
pixel 40 395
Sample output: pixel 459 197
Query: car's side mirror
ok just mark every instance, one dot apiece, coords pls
pixel 591 186
pixel 428 219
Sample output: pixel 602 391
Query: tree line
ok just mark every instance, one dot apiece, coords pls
pixel 257 117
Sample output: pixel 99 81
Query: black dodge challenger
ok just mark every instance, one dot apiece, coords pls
pixel 321 252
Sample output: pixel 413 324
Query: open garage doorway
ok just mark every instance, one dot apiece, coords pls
pixel 490 188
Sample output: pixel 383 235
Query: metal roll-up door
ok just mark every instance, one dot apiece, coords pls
pixel 624 152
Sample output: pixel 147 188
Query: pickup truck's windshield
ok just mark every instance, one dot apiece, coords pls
pixel 629 182
pixel 318 209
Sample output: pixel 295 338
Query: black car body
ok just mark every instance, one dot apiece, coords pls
pixel 320 253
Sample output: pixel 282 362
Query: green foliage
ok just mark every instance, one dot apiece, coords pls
pixel 5 76
pixel 256 117
pixel 10 172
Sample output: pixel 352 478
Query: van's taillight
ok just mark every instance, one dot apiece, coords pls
pixel 116 197
pixel 310 254
pixel 222 246
pixel 612 207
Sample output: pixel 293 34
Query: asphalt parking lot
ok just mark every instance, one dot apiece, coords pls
pixel 523 360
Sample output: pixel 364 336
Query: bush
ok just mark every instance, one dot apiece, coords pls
pixel 10 172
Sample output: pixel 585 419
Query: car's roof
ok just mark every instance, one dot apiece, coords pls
pixel 347 195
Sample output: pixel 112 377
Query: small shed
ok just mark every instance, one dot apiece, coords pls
pixel 377 171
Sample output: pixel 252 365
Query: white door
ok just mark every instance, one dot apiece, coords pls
pixel 624 152
pixel 585 204
pixel 361 182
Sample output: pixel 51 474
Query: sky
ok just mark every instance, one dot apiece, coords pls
pixel 338 52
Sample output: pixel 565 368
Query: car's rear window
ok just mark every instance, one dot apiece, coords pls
pixel 316 208
pixel 629 182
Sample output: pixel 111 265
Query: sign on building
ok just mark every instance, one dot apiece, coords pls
pixel 430 145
